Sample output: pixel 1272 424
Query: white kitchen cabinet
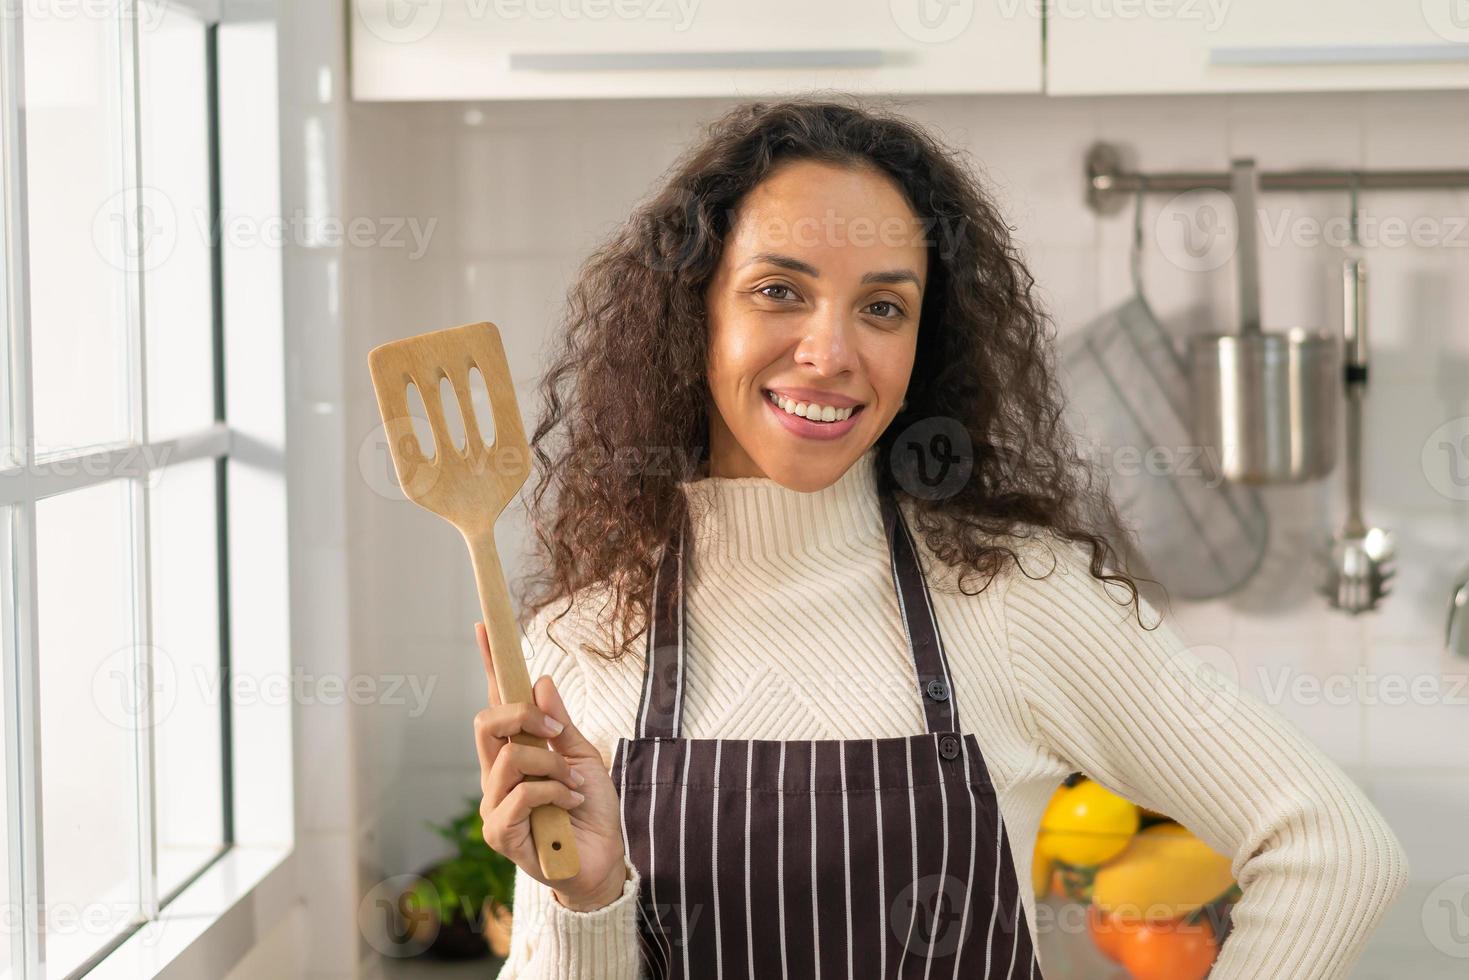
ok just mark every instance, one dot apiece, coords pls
pixel 576 49
pixel 1099 47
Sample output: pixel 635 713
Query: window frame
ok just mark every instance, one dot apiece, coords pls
pixel 242 889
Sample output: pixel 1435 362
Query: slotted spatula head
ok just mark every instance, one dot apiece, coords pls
pixel 467 488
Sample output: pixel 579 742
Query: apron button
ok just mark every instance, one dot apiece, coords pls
pixel 949 747
pixel 937 690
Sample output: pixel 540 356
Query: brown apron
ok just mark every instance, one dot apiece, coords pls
pixel 856 858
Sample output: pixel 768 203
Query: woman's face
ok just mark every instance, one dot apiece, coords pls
pixel 816 302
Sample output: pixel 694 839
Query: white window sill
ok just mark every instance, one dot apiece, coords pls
pixel 213 923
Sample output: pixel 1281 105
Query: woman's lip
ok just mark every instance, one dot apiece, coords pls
pixel 807 429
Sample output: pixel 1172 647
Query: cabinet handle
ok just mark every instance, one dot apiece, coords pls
pixel 653 60
pixel 1338 54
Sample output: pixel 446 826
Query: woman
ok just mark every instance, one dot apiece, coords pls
pixel 829 606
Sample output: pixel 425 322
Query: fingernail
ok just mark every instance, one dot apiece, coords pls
pixel 555 726
pixel 577 777
pixel 578 797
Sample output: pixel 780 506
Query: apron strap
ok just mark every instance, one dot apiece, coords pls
pixel 660 711
pixel 935 686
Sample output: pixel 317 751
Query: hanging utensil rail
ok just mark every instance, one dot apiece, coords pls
pixel 1108 184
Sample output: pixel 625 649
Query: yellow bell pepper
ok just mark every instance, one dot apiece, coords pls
pixel 1165 873
pixel 1086 825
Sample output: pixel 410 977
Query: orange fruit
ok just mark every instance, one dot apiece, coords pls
pixel 1106 934
pixel 1172 950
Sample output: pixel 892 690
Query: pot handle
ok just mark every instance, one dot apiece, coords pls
pixel 1243 185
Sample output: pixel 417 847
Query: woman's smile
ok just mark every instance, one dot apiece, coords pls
pixel 818 417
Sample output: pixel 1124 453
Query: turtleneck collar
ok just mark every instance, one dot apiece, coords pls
pixel 754 517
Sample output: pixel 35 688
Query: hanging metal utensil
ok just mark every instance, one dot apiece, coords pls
pixel 1359 559
pixel 1264 401
pixel 1127 394
pixel 1456 636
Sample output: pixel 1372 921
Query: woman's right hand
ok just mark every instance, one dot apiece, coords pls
pixel 578 781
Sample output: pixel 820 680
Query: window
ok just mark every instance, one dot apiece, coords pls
pixel 119 450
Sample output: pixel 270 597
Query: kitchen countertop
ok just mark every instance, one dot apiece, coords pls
pixel 1397 949
pixel 421 968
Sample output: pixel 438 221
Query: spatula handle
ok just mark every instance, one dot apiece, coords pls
pixel 550 824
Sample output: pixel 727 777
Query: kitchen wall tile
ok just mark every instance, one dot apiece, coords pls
pixel 1299 132
pixel 1430 558
pixel 408 176
pixel 1408 130
pixel 1297 660
pixel 1400 946
pixel 435 709
pixel 1065 283
pixel 494 168
pixel 424 792
pixel 951 118
pixel 1159 134
pixel 413 594
pixel 396 296
pixel 1417 706
pixel 1417 259
pixel 1028 152
pixel 1308 683
pixel 1428 810
pixel 524 296
pixel 618 166
pixel 1415 460
pixel 1212 623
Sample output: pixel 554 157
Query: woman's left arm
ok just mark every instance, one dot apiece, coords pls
pixel 1153 719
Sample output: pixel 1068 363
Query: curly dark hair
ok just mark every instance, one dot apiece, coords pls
pixel 984 365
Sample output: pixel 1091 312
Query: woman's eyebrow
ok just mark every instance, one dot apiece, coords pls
pixel 891 276
pixel 785 262
pixel 894 276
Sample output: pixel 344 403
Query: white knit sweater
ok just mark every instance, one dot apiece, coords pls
pixel 793 632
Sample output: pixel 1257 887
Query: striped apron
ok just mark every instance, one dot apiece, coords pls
pixel 856 858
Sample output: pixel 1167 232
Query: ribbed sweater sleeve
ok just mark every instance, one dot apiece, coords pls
pixel 549 941
pixel 1155 720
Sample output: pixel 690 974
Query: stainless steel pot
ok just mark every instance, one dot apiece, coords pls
pixel 1264 402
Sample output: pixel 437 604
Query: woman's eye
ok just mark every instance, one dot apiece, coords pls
pixel 897 311
pixel 774 285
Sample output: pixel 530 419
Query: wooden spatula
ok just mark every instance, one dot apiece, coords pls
pixel 469 489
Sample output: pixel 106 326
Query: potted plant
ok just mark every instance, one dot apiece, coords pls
pixel 466 898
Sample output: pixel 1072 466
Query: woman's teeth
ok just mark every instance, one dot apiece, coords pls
pixel 811 410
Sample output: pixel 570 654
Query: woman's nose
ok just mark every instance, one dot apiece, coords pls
pixel 827 345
